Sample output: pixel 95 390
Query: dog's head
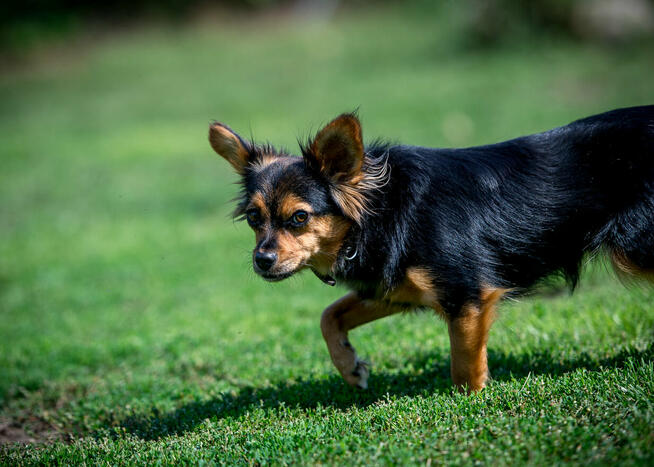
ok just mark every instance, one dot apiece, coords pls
pixel 300 208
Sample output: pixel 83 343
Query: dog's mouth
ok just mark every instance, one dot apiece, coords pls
pixel 270 277
pixel 273 275
pixel 278 272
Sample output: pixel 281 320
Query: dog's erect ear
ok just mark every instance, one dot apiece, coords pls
pixel 229 145
pixel 337 150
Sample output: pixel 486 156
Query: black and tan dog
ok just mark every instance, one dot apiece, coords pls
pixel 454 230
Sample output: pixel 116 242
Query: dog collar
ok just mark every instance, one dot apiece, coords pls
pixel 327 279
pixel 349 254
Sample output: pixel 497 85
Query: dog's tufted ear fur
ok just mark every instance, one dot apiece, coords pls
pixel 337 150
pixel 338 154
pixel 230 146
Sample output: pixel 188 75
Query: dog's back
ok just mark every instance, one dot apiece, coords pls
pixel 511 213
pixel 606 165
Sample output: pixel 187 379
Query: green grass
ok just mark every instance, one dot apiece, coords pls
pixel 133 329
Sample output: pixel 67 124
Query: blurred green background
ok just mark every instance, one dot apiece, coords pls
pixel 126 291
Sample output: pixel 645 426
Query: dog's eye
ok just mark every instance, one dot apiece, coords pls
pixel 299 218
pixel 253 216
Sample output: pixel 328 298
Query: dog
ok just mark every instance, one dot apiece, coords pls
pixel 453 230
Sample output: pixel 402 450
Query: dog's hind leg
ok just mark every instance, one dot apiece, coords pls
pixel 628 268
pixel 631 240
pixel 468 338
pixel 340 317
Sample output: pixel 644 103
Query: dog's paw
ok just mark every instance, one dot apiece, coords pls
pixel 359 375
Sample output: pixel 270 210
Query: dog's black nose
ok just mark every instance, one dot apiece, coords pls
pixel 264 260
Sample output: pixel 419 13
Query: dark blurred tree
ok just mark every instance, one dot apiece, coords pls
pixel 16 10
pixel 23 22
pixel 495 21
pixel 488 22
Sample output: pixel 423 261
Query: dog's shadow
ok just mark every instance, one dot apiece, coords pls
pixel 426 374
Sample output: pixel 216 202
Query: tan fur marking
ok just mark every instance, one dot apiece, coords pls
pixel 267 159
pixel 316 245
pixel 417 289
pixel 468 339
pixel 258 201
pixel 227 144
pixel 340 317
pixel 353 195
pixel 330 232
pixel 624 265
pixel 289 254
pixel 264 161
pixel 351 200
pixel 290 204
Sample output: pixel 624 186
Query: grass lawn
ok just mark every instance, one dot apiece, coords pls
pixel 133 329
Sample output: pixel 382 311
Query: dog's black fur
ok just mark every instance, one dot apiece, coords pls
pixel 511 213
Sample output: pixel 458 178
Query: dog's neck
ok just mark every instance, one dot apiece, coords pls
pixel 348 252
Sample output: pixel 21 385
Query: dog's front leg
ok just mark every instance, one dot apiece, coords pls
pixel 468 338
pixel 341 316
